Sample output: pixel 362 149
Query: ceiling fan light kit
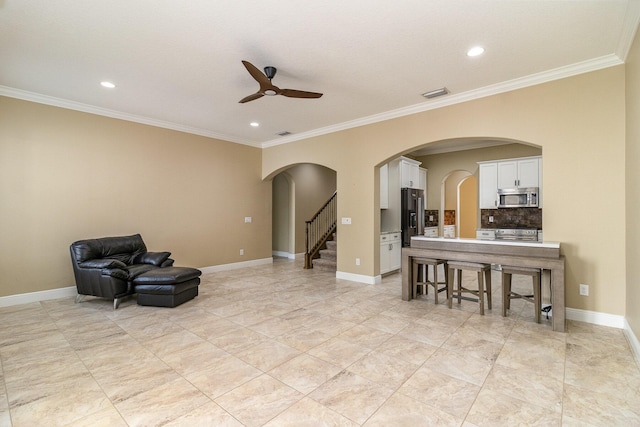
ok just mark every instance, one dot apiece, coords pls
pixel 267 88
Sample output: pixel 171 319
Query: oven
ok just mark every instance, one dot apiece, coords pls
pixel 517 234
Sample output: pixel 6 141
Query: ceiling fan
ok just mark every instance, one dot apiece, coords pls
pixel 267 88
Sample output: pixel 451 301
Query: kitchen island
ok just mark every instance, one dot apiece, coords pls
pixel 543 255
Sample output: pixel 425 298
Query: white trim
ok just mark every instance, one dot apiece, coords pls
pixel 284 254
pixel 38 296
pixel 86 108
pixel 507 86
pixel 510 85
pixel 360 278
pixel 236 265
pixel 633 341
pixel 602 319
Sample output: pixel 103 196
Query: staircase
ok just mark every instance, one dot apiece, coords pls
pixel 328 257
pixel 320 230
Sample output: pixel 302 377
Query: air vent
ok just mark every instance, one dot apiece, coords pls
pixel 283 133
pixel 436 93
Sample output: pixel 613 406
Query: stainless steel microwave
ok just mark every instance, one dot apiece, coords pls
pixel 518 197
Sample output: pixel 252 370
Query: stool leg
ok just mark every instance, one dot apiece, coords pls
pixel 506 279
pixel 459 285
pixel 537 298
pixel 446 276
pixel 415 279
pixel 450 277
pixel 435 283
pixel 481 292
pixel 487 281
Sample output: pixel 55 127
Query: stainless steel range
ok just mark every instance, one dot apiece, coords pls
pixel 519 234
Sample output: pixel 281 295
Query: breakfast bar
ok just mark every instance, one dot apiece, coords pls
pixel 543 255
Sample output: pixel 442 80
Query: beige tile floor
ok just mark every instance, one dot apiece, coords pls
pixel 277 345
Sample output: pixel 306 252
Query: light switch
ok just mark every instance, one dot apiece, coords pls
pixel 247 219
pixel 346 220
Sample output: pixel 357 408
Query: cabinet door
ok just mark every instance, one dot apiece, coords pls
pixel 528 171
pixel 409 175
pixel 508 174
pixel 384 186
pixel 423 184
pixel 395 255
pixel 385 258
pixel 488 185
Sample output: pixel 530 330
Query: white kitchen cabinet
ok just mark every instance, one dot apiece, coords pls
pixel 409 173
pixel 431 232
pixel 449 231
pixel 488 185
pixel 384 186
pixel 390 252
pixel 423 184
pixel 518 173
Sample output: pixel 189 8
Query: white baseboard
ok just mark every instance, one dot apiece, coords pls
pixel 633 341
pixel 602 319
pixel 288 255
pixel 360 278
pixel 236 265
pixel 37 296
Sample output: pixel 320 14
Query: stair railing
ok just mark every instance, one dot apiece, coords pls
pixel 319 228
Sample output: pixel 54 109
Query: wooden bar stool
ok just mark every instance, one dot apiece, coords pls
pixel 479 268
pixel 434 263
pixel 508 295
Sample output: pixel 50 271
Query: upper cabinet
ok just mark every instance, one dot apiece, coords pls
pixel 523 172
pixel 423 184
pixel 409 173
pixel 519 173
pixel 488 185
pixel 384 186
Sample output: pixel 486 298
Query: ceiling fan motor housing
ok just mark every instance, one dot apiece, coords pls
pixel 270 72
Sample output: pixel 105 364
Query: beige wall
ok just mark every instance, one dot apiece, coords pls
pixel 66 175
pixel 313 186
pixel 633 187
pixel 468 207
pixel 580 124
pixel 282 214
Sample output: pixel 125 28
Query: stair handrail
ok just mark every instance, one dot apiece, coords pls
pixel 319 228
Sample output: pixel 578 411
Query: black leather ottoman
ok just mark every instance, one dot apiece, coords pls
pixel 167 287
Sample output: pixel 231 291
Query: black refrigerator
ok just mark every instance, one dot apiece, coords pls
pixel 412 214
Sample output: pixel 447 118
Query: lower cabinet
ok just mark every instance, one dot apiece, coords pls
pixel 449 231
pixel 390 252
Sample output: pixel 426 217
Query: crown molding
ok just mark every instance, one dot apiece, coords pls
pixel 629 28
pixel 86 108
pixel 507 86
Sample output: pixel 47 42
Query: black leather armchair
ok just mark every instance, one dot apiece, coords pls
pixel 106 267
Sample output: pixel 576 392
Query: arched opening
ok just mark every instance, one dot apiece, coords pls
pixel 298 192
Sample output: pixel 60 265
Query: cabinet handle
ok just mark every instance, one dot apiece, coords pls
pixel 390 246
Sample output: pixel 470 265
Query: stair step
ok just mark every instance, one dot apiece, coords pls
pixel 332 245
pixel 329 254
pixel 325 264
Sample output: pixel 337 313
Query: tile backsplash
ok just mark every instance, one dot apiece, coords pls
pixel 511 218
pixel 431 213
pixel 450 217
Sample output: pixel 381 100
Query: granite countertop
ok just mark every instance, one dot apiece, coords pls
pixel 533 244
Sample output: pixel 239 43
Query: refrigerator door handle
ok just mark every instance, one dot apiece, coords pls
pixel 420 230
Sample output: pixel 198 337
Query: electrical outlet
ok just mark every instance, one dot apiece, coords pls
pixel 346 220
pixel 241 251
pixel 430 218
pixel 490 218
pixel 584 290
pixel 357 261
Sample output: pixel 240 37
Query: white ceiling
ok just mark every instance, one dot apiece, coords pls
pixel 177 64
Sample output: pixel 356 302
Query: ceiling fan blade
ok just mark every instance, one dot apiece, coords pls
pixel 291 93
pixel 257 74
pixel 251 97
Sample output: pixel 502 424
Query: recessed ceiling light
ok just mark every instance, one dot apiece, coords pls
pixel 108 85
pixel 254 124
pixel 475 51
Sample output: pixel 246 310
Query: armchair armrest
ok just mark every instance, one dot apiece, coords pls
pixel 154 258
pixel 103 263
